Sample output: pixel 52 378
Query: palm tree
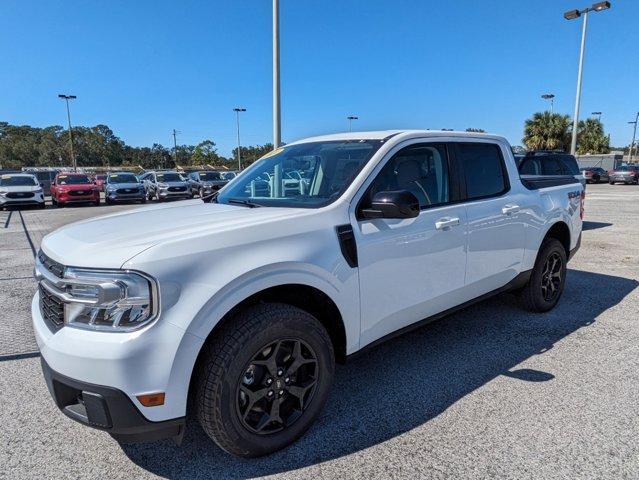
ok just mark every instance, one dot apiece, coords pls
pixel 547 131
pixel 591 137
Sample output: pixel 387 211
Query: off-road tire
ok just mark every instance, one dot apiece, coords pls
pixel 223 364
pixel 531 296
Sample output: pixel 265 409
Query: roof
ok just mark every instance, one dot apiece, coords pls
pixel 383 134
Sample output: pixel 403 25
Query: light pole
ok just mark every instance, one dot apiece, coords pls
pixel 237 111
pixel 551 97
pixel 175 159
pixel 570 15
pixel 277 112
pixel 598 116
pixel 634 133
pixel 66 98
pixel 350 122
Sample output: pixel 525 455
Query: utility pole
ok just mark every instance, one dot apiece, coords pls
pixel 277 112
pixel 175 159
pixel 551 97
pixel 237 111
pixel 350 122
pixel 634 133
pixel 67 98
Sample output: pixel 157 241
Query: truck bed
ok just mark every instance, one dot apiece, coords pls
pixel 536 182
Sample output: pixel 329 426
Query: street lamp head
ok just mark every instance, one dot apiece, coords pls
pixel 548 96
pixel 572 14
pixel 237 109
pixel 66 97
pixel 599 6
pixel 352 117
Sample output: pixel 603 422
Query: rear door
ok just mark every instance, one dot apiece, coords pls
pixel 410 269
pixel 496 228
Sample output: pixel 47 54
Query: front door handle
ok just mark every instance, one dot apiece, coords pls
pixel 510 209
pixel 446 222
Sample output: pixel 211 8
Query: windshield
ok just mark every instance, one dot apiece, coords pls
pixel 626 168
pixel 168 177
pixel 73 179
pixel 207 176
pixel 307 175
pixel 122 178
pixel 100 177
pixel 17 181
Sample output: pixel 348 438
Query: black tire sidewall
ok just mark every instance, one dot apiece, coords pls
pixel 547 248
pixel 291 323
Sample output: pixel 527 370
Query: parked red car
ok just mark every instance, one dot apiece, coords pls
pixel 74 188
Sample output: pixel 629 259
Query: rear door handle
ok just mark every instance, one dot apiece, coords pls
pixel 446 222
pixel 510 209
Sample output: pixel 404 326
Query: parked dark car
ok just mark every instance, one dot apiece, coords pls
pixel 206 182
pixel 595 174
pixel 165 185
pixel 548 162
pixel 45 177
pixel 625 174
pixel 123 187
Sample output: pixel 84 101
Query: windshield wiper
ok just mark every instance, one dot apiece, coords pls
pixel 244 203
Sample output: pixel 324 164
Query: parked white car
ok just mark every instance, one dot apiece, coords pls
pixel 18 189
pixel 243 305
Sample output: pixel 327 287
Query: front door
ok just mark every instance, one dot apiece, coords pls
pixel 412 268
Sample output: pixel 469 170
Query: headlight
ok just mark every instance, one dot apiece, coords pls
pixel 106 300
pixel 110 189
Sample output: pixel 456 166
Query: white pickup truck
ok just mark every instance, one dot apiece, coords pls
pixel 240 307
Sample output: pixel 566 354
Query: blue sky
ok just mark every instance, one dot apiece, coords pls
pixel 146 67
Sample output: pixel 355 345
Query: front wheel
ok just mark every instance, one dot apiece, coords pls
pixel 263 379
pixel 548 277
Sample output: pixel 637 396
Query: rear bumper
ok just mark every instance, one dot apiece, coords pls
pixel 108 409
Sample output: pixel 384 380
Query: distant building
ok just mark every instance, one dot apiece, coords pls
pixel 608 161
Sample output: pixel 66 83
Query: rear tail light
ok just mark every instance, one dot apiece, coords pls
pixel 581 205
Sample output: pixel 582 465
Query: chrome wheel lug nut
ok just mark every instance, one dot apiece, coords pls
pixel 287 380
pixel 280 372
pixel 281 392
pixel 270 393
pixel 269 381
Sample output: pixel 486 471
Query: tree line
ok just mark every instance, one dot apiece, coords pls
pixel 98 146
pixel 26 146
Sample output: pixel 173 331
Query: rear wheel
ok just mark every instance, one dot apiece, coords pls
pixel 547 280
pixel 263 379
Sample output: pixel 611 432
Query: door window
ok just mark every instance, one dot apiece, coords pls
pixel 484 170
pixel 422 169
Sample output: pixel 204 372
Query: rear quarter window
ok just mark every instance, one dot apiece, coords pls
pixel 569 165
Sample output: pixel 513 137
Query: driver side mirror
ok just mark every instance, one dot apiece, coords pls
pixel 392 204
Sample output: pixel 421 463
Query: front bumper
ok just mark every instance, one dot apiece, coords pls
pixel 623 178
pixel 37 199
pixel 108 409
pixel 157 358
pixel 165 194
pixel 126 197
pixel 66 198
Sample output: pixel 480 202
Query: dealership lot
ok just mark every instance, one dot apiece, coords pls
pixel 491 391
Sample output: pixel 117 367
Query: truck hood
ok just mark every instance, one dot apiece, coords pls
pixel 111 240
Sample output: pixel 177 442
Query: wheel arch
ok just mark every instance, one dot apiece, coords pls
pixel 559 231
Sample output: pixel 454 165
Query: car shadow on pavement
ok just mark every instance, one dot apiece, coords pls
pixel 407 381
pixel 587 225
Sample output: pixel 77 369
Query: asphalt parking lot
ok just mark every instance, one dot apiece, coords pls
pixel 492 391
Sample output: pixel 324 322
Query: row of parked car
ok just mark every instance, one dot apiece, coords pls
pixel 74 187
pixel 543 162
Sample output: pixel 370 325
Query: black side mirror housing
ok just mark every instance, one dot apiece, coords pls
pixel 392 204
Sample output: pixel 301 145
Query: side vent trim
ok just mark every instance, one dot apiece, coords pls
pixel 347 244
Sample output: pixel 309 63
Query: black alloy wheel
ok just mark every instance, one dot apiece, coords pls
pixel 277 386
pixel 551 277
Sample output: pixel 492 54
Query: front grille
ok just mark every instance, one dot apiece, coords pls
pixel 54 267
pixel 177 189
pixel 20 195
pixel 52 309
pixel 127 190
pixel 79 193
